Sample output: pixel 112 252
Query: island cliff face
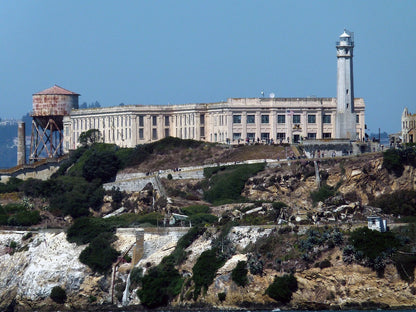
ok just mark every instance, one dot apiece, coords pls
pixel 44 259
pixel 28 276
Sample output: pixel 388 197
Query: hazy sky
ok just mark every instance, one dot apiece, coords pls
pixel 160 52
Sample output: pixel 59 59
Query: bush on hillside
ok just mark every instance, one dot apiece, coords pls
pixel 398 203
pixel 392 161
pixel 159 286
pixel 99 255
pixel 395 159
pixel 373 243
pixel 136 276
pixel 323 193
pixel 74 196
pixel 282 288
pixel 204 271
pixel 227 185
pixel 239 274
pixel 58 294
pixel 371 248
pixel 102 165
pixel 12 185
pixel 84 230
pixel 16 214
pixel 194 209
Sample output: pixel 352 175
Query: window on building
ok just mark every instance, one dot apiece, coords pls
pixel 166 132
pixel 202 131
pixel 202 119
pixel 167 122
pixel 154 134
pixel 141 134
pixel 357 118
pixel 311 119
pixel 236 136
pixel 236 119
pixel 251 119
pixel 251 136
pixel 296 119
pixel 265 136
pixel 264 119
pixel 154 120
pixel 281 119
pixel 141 121
pixel 326 119
pixel 311 136
pixel 280 136
pixel 326 135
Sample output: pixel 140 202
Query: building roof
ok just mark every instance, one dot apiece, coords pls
pixel 56 90
pixel 345 35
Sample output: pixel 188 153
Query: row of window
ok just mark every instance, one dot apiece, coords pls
pixel 186 119
pixel 281 119
pixel 95 123
pixel 280 136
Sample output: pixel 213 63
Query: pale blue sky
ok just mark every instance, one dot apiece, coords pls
pixel 160 52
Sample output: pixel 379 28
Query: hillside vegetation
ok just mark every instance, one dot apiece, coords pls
pixel 309 225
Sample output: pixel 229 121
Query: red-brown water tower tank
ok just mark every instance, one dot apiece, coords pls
pixel 49 108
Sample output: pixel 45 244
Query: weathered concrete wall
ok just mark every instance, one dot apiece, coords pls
pixel 41 171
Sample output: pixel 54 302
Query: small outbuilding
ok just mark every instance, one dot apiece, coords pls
pixel 175 218
pixel 377 224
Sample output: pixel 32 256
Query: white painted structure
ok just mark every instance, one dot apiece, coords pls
pixel 377 224
pixel 237 120
pixel 345 122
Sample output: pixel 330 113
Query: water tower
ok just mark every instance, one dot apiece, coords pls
pixel 49 108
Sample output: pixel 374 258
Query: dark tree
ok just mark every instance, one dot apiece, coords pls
pixel 101 165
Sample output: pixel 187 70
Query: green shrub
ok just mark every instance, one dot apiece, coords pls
pixel 194 209
pixel 136 276
pixel 392 161
pixel 222 296
pixel 74 196
pixel 202 219
pixel 92 299
pixel 204 271
pixel 102 165
pixel 12 185
pixel 227 185
pixel 160 285
pixel 37 188
pixel 402 202
pixel 99 255
pixel 84 230
pixel 25 218
pixel 323 193
pixel 58 295
pixel 169 176
pixel 282 288
pixel 373 243
pixel 239 274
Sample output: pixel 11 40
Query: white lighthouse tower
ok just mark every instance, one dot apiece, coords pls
pixel 345 127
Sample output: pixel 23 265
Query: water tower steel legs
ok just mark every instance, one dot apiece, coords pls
pixel 46 141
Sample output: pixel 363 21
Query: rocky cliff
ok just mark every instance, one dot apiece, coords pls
pixel 32 263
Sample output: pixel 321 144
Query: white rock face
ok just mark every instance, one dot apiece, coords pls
pixel 241 236
pixel 47 260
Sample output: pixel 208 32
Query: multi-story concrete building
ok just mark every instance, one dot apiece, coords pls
pixel 288 120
